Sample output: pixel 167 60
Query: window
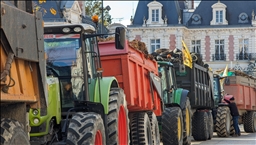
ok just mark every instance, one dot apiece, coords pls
pixel 219 16
pixel 155 44
pixel 219 50
pixel 243 49
pixel 243 18
pixel 155 15
pixel 196 19
pixel 196 46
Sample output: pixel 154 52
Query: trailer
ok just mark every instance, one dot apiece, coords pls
pixel 138 76
pixel 243 88
pixel 198 81
pixel 23 84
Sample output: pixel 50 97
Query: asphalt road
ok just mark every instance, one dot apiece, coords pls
pixel 244 139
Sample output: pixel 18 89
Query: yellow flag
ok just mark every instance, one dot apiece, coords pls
pixel 187 59
pixel 225 72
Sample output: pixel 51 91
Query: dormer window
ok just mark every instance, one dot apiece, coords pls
pixel 196 19
pixel 243 18
pixel 155 15
pixel 219 14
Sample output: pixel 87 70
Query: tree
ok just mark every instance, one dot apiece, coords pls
pixel 93 7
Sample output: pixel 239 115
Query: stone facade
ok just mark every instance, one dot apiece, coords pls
pixel 171 36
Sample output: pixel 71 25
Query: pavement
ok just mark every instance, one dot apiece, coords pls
pixel 244 139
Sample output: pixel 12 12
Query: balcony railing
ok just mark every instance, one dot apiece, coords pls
pixel 246 56
pixel 218 57
pixel 252 56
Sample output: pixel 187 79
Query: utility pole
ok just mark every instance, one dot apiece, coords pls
pixel 102 23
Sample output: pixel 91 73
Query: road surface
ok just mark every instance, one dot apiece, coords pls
pixel 244 139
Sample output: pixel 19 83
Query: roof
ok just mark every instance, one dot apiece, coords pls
pixel 233 10
pixel 171 9
pixel 57 5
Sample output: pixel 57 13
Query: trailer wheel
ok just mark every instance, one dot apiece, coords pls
pixel 172 126
pixel 140 129
pixel 154 128
pixel 210 125
pixel 86 128
pixel 223 121
pixel 250 122
pixel 186 112
pixel 117 119
pixel 200 126
pixel 12 132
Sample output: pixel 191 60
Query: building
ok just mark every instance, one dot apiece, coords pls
pixel 59 12
pixel 222 32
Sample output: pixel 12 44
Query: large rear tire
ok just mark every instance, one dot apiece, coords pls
pixel 154 128
pixel 200 126
pixel 250 122
pixel 12 133
pixel 141 133
pixel 223 121
pixel 210 125
pixel 86 128
pixel 172 126
pixel 118 121
pixel 187 119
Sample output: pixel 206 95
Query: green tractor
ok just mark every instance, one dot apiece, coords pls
pixel 175 123
pixel 82 106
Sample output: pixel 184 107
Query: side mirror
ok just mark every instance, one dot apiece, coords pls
pixel 120 38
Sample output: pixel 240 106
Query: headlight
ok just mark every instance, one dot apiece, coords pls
pixel 36 121
pixel 66 30
pixel 35 112
pixel 77 29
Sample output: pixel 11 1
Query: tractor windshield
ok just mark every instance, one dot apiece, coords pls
pixel 64 60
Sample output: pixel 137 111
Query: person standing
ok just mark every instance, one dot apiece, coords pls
pixel 234 114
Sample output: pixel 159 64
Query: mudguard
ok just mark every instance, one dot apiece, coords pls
pixel 180 97
pixel 104 84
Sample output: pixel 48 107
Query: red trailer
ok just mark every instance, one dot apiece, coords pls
pixel 137 75
pixel 244 91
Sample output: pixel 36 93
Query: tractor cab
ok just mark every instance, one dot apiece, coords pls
pixel 168 79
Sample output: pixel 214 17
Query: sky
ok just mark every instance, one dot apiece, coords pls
pixel 121 11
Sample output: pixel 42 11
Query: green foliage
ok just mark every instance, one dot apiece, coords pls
pixel 93 7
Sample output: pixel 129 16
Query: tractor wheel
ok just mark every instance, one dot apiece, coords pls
pixel 210 125
pixel 117 119
pixel 154 128
pixel 232 129
pixel 223 121
pixel 250 122
pixel 86 128
pixel 141 133
pixel 200 126
pixel 187 118
pixel 172 126
pixel 12 133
